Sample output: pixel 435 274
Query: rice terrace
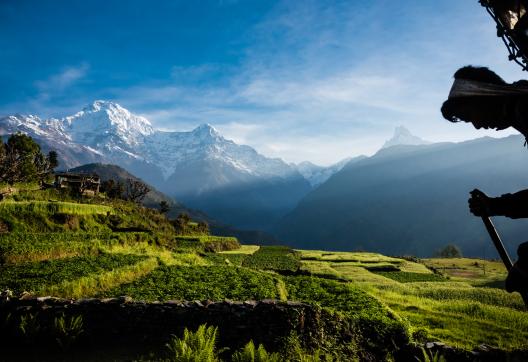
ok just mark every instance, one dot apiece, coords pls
pixel 384 306
pixel 262 197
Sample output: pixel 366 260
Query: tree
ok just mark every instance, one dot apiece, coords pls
pixel 450 251
pixel 181 223
pixel 113 189
pixel 164 207
pixel 136 190
pixel 21 160
pixel 203 228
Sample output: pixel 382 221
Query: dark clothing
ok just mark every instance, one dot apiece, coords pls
pixel 514 206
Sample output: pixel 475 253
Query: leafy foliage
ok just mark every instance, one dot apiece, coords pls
pixel 21 160
pixel 407 277
pixel 67 330
pixel 226 259
pixel 199 346
pixel 207 243
pixel 278 258
pixel 185 226
pixel 377 326
pixel 200 283
pixel 32 277
pixel 251 354
pixel 23 247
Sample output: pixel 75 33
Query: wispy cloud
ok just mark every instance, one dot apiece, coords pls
pixel 62 80
pixel 320 80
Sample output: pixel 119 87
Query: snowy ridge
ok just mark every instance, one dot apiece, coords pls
pixel 317 175
pixel 112 133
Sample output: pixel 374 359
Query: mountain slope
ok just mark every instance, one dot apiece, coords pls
pixel 116 173
pixel 412 199
pixel 191 166
pixel 316 175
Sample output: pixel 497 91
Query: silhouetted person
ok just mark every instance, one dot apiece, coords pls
pixel 481 97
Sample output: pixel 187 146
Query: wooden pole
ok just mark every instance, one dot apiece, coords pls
pixel 501 249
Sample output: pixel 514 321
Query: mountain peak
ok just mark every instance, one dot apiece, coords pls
pixel 107 118
pixel 102 105
pixel 402 136
pixel 205 129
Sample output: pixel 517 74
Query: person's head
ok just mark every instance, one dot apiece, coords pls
pixel 483 110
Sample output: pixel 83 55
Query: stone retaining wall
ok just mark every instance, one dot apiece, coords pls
pixel 119 323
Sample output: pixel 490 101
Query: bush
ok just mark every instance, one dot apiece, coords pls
pixel 199 346
pixel 250 354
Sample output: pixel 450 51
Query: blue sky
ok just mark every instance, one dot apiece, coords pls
pixel 301 80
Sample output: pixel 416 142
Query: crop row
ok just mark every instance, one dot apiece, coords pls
pixel 208 243
pixel 200 283
pixel 58 207
pixel 278 258
pixel 21 247
pixel 373 321
pixel 226 259
pixel 409 277
pixel 35 276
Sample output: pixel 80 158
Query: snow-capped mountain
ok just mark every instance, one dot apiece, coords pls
pixel 402 136
pixel 192 165
pixel 317 175
pixel 110 132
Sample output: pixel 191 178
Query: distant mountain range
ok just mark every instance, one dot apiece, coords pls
pixel 233 183
pixel 412 200
pixel 410 197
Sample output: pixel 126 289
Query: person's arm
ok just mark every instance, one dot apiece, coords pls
pixel 514 206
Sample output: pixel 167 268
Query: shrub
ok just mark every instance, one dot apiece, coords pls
pixel 251 354
pixel 67 330
pixel 199 346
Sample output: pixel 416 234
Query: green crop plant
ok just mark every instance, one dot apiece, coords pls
pixel 199 283
pixel 252 354
pixel 67 330
pixel 428 356
pixel 93 284
pixel 25 247
pixel 409 277
pixel 198 346
pixel 29 326
pixel 58 207
pixel 36 276
pixel 207 243
pixel 278 258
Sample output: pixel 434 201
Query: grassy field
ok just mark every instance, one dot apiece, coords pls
pixel 56 207
pixel 461 305
pixel 123 249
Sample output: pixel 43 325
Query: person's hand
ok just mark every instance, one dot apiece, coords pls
pixel 479 203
